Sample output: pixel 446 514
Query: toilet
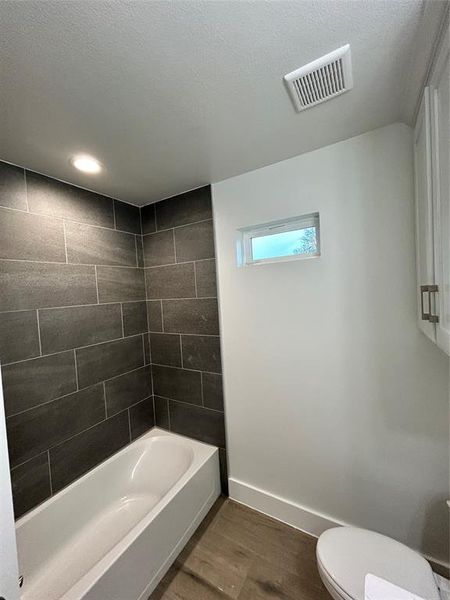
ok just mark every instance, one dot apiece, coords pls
pixel 345 555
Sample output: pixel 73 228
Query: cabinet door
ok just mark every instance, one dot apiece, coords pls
pixel 424 212
pixel 440 138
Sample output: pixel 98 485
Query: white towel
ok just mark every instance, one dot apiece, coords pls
pixel 376 588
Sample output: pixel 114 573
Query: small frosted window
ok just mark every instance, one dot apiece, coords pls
pixel 280 240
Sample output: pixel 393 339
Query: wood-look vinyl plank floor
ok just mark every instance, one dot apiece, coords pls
pixel 240 554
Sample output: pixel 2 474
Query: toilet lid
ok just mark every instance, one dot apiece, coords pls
pixel 348 554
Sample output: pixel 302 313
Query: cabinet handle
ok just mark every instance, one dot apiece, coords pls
pixel 423 290
pixel 432 289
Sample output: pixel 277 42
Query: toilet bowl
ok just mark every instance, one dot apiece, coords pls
pixel 345 555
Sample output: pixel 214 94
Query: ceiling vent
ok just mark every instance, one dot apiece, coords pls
pixel 322 79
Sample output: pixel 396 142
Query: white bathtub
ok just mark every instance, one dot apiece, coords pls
pixel 112 534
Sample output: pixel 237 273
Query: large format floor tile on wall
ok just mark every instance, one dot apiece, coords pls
pixel 99 301
pixel 183 320
pixel 74 341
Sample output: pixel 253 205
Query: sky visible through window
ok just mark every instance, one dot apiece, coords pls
pixel 286 243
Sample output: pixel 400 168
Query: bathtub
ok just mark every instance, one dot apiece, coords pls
pixel 113 533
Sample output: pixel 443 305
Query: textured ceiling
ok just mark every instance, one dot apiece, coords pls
pixel 173 95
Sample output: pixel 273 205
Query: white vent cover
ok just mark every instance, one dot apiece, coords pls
pixel 322 79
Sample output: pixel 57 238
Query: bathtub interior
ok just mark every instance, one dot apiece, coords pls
pixel 75 529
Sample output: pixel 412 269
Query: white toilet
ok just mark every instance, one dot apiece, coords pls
pixel 345 555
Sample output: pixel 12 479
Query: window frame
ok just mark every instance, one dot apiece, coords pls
pixel 246 234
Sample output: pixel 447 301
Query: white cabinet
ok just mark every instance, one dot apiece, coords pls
pixel 432 166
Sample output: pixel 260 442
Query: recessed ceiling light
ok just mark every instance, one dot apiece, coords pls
pixel 86 163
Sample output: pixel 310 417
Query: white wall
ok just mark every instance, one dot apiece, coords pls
pixel 334 399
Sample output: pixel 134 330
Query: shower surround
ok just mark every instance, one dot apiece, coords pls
pixel 74 341
pixel 183 317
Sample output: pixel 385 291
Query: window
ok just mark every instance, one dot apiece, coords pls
pixel 289 239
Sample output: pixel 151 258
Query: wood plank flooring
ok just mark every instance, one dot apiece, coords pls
pixel 240 554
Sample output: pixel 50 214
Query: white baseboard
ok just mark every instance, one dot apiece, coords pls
pixel 284 510
pixel 293 514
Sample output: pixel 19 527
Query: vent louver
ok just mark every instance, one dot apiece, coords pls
pixel 322 79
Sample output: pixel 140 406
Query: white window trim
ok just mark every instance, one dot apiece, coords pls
pixel 246 234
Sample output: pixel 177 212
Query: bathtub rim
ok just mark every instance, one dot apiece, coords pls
pixel 202 453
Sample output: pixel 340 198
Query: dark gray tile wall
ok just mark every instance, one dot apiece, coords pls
pixel 73 330
pixel 99 302
pixel 134 317
pixel 199 316
pixel 31 285
pixel 79 454
pixel 31 483
pixel 60 327
pixel 88 245
pixel 183 321
pixel 12 187
pixel 120 284
pixel 125 390
pixel 174 281
pixel 103 361
pixel 51 197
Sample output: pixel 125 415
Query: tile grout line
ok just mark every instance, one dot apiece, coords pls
pixel 143 347
pixel 60 443
pixel 49 472
pixel 71 437
pixel 121 319
pixel 156 220
pixel 26 190
pixel 64 307
pixel 65 241
pixel 190 298
pixel 128 337
pixel 214 410
pixel 146 314
pixel 129 422
pixel 176 226
pixel 133 405
pixel 162 317
pixel 195 280
pixel 201 384
pixel 168 412
pixel 214 335
pixel 176 299
pixel 24 462
pixel 151 371
pixel 96 284
pixel 44 215
pixel 175 264
pixel 136 251
pixel 173 299
pixel 73 264
pixel 76 369
pixel 181 351
pixel 188 369
pixel 104 398
pixel 174 246
pixel 21 412
pixel 39 332
pixel 114 215
pixel 140 222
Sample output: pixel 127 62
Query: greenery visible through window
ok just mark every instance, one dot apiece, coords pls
pixel 287 243
pixel 288 239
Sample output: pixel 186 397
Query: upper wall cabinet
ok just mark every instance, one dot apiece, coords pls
pixel 432 181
